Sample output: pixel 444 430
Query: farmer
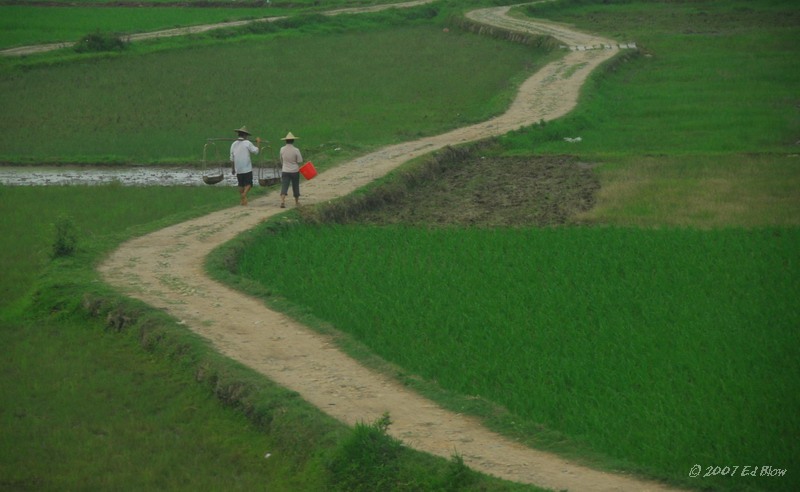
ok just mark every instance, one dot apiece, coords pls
pixel 242 166
pixel 290 169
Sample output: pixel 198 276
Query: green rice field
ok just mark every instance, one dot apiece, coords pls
pixel 653 334
pixel 24 24
pixel 323 100
pixel 659 348
pixel 689 67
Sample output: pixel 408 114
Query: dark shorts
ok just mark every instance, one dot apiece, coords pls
pixel 245 179
pixel 290 179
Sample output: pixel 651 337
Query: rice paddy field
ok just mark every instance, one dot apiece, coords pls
pixel 323 99
pixel 659 348
pixel 656 333
pixel 24 23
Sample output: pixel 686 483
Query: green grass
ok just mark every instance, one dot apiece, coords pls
pixel 327 98
pixel 683 134
pixel 22 24
pixel 86 408
pixel 699 191
pixel 99 214
pixel 101 393
pixel 652 347
pixel 655 348
pixel 706 319
pixel 26 25
pixel 127 426
pixel 97 412
pixel 687 93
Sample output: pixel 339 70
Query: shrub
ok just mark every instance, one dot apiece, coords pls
pixel 367 459
pixel 97 42
pixel 458 476
pixel 66 237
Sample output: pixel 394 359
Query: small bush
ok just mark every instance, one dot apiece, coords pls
pixel 458 476
pixel 66 237
pixel 97 42
pixel 368 459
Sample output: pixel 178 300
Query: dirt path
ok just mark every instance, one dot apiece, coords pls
pixel 165 269
pixel 183 31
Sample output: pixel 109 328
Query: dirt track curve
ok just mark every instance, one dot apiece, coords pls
pixel 165 269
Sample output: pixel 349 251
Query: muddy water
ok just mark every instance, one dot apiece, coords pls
pixel 133 176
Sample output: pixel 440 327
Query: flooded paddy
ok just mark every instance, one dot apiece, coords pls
pixel 127 176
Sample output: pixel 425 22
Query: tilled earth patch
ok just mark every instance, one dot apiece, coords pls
pixel 491 192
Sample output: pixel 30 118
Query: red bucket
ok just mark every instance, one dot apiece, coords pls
pixel 307 170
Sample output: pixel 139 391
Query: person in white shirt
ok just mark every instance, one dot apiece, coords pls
pixel 242 166
pixel 291 159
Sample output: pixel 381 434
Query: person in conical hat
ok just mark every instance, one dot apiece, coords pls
pixel 291 160
pixel 241 163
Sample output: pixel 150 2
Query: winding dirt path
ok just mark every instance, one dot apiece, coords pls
pixel 165 269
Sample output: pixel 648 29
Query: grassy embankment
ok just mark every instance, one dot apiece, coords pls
pixel 86 408
pixel 83 407
pixel 655 348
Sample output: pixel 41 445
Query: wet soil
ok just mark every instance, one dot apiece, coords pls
pixel 88 175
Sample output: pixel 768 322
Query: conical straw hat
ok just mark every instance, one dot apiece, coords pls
pixel 242 130
pixel 289 136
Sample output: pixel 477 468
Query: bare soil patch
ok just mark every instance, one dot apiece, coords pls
pixel 493 192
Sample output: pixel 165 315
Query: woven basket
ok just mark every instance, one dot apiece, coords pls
pixel 211 180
